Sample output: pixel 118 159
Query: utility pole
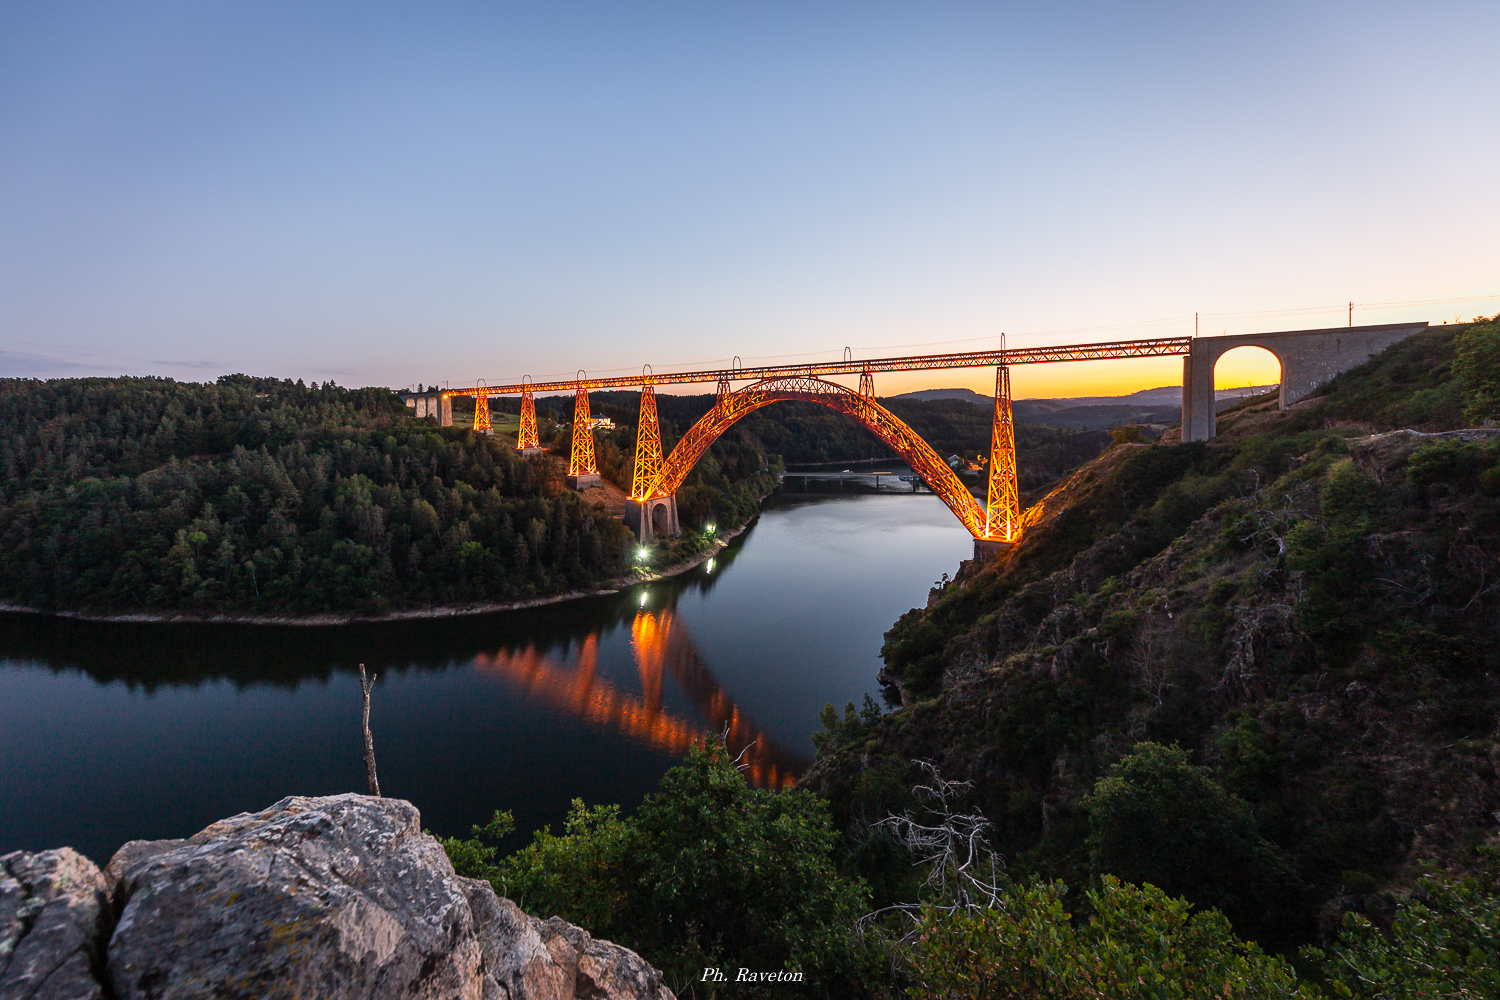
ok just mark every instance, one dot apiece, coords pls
pixel 1195 324
pixel 1351 314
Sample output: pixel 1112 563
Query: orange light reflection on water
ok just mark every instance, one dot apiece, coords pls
pixel 661 645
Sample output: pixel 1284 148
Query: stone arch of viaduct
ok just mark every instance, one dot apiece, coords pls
pixel 429 404
pixel 1308 358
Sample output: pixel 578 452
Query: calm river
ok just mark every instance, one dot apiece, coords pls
pixel 111 733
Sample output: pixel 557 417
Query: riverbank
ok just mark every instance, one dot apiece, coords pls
pixel 324 619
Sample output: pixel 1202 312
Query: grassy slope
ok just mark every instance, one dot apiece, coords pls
pixel 1349 694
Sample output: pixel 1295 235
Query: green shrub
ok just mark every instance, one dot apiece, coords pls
pixel 473 858
pixel 1158 819
pixel 1476 364
pixel 709 872
pixel 1138 942
pixel 854 727
pixel 1457 462
pixel 1444 942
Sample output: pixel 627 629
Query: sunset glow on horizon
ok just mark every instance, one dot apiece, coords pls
pixel 398 195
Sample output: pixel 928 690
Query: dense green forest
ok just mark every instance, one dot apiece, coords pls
pixel 260 495
pixel 255 495
pixel 1225 692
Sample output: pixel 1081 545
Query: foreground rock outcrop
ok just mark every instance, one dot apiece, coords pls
pixel 53 918
pixel 336 897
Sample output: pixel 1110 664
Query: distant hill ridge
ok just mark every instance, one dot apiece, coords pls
pixel 1166 395
pixel 1161 406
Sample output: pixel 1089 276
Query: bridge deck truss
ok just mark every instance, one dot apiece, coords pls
pixel 1160 347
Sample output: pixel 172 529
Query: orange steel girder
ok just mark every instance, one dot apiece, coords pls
pixel 1156 347
pixel 583 437
pixel 1003 511
pixel 647 447
pixel 526 436
pixel 867 385
pixel 886 425
pixel 482 412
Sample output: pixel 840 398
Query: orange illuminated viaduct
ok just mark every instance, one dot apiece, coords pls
pixel 1307 357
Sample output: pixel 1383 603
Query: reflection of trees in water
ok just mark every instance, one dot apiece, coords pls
pixel 151 655
pixel 662 646
pixel 167 655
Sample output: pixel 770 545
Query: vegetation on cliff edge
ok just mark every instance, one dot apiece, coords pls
pixel 1300 616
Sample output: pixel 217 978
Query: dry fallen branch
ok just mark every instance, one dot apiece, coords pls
pixel 963 872
pixel 1274 521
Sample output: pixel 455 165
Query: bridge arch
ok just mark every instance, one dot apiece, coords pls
pixel 870 414
pixel 1308 358
pixel 1248 364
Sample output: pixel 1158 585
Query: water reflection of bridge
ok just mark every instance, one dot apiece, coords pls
pixel 662 647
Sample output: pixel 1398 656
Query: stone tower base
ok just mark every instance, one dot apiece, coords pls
pixel 985 550
pixel 653 519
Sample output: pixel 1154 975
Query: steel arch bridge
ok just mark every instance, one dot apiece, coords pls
pixel 1001 520
pixel 1308 358
pixel 652 506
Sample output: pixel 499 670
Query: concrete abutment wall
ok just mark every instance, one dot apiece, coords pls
pixel 1308 359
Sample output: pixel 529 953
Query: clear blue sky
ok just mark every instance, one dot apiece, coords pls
pixel 386 194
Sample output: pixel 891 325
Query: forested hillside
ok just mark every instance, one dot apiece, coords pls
pixel 255 495
pixel 259 495
pixel 1260 672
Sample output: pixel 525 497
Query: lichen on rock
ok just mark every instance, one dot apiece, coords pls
pixel 336 897
pixel 53 912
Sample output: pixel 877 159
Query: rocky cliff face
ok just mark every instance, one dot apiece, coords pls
pixel 336 897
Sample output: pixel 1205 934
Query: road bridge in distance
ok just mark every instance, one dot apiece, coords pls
pixel 1308 358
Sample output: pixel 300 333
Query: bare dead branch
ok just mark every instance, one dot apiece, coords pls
pixel 371 782
pixel 963 872
pixel 1274 520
